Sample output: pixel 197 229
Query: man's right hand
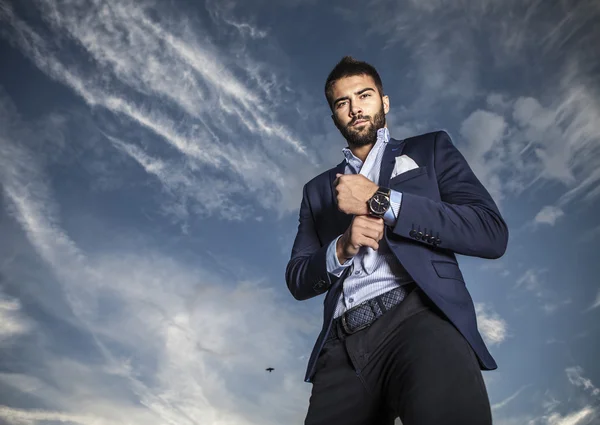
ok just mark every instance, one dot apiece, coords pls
pixel 365 230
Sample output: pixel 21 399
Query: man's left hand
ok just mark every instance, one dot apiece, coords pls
pixel 353 191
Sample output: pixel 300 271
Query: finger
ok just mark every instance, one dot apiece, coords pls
pixel 362 231
pixel 367 224
pixel 368 220
pixel 364 219
pixel 373 218
pixel 338 177
pixel 373 234
pixel 370 242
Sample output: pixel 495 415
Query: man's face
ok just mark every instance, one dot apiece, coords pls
pixel 358 109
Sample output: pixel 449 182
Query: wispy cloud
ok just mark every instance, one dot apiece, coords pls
pixel 510 398
pixel 183 183
pixel 512 149
pixel 224 11
pixel 537 282
pixel 148 72
pixel 27 417
pixel 554 412
pixel 596 302
pixel 498 266
pixel 531 281
pixel 493 328
pixel 575 375
pixel 513 141
pixel 548 215
pixel 483 130
pixel 198 113
pixel 583 416
pixel 157 328
pixel 12 323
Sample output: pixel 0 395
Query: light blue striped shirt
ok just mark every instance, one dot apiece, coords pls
pixel 386 272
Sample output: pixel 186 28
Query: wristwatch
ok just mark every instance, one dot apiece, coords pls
pixel 379 203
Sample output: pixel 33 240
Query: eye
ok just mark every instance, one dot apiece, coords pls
pixel 365 95
pixel 340 104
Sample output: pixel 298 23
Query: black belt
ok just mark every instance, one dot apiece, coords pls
pixel 362 315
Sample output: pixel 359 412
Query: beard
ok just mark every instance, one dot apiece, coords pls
pixel 366 135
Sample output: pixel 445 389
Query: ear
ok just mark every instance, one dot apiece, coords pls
pixel 386 104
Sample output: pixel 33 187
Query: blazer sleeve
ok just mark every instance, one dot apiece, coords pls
pixel 306 273
pixel 465 221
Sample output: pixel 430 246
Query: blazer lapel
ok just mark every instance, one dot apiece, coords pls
pixel 343 220
pixel 339 169
pixel 393 149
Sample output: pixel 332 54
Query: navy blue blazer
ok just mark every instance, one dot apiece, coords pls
pixel 445 211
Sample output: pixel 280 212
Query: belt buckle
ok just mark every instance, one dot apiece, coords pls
pixel 345 324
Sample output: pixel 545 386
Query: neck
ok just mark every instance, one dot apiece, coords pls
pixel 361 152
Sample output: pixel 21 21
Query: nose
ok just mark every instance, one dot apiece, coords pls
pixel 355 109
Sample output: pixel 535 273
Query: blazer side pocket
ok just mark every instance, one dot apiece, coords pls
pixel 447 270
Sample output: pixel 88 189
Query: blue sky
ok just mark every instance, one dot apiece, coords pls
pixel 152 157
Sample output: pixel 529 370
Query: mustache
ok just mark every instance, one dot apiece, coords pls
pixel 362 117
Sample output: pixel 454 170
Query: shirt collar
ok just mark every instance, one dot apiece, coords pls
pixel 383 136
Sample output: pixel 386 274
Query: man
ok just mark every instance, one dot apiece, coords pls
pixel 379 234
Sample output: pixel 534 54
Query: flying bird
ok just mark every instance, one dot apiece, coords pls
pixel 269 369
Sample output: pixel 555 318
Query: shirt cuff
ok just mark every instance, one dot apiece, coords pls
pixel 391 215
pixel 333 264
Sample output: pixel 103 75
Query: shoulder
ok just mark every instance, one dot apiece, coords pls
pixel 321 180
pixel 430 144
pixel 430 138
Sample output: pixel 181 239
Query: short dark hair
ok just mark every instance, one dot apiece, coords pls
pixel 349 67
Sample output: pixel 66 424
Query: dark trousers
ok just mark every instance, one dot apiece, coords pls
pixel 411 363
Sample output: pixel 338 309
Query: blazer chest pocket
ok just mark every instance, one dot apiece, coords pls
pixel 407 175
pixel 447 270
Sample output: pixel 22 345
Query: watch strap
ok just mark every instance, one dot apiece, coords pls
pixel 384 190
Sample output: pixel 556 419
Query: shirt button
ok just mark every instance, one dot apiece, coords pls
pixel 351 300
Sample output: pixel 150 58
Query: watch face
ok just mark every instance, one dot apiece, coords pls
pixel 379 204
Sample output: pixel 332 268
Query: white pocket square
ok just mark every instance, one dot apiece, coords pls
pixel 403 164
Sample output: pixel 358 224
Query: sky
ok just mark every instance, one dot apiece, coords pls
pixel 152 159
